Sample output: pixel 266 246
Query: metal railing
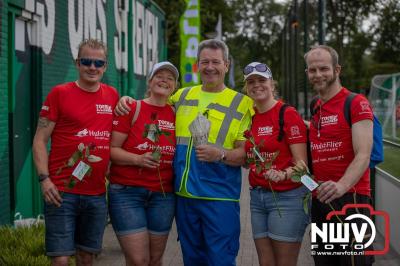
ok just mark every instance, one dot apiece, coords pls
pixel 387 191
pixel 391 143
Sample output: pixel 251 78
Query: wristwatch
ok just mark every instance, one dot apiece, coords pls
pixel 42 177
pixel 223 156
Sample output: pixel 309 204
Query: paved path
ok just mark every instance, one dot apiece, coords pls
pixel 112 256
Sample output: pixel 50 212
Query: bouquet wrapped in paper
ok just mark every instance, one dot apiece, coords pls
pixel 199 129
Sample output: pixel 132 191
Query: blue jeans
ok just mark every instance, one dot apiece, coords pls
pixel 136 209
pixel 78 223
pixel 265 219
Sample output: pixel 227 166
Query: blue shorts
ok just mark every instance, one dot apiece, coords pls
pixel 78 223
pixel 136 209
pixel 265 219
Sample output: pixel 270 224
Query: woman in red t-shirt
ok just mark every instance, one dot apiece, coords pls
pixel 278 223
pixel 141 198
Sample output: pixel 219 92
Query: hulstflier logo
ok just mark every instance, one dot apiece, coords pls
pixel 83 133
pixel 356 232
pixel 97 134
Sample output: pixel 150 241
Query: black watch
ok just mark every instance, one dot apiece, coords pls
pixel 43 177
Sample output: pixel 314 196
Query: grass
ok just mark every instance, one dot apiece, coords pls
pixel 23 246
pixel 387 134
pixel 391 161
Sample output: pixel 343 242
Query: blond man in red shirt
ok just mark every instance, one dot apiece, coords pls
pixel 77 117
pixel 340 152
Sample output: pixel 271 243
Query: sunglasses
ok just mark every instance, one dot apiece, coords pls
pixel 98 63
pixel 260 68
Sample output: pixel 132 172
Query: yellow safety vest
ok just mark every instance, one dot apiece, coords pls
pixel 195 179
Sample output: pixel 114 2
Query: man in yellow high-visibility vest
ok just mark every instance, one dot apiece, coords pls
pixel 208 177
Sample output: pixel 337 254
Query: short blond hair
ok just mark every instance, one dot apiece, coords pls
pixel 94 44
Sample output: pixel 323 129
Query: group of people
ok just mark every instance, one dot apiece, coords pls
pixel 160 171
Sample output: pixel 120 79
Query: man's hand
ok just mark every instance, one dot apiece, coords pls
pixel 208 153
pixel 50 192
pixel 330 190
pixel 122 108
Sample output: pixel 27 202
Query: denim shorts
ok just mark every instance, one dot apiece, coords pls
pixel 265 219
pixel 78 223
pixel 136 209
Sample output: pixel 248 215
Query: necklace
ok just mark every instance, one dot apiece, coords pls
pixel 319 121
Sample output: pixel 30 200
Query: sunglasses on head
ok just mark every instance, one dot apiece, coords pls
pixel 260 68
pixel 88 62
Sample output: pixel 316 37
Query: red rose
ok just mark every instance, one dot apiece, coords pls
pixel 247 134
pixel 153 116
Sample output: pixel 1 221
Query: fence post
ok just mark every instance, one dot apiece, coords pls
pixel 321 21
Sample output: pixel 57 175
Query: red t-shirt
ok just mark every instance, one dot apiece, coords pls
pixel 136 143
pixel 80 117
pixel 265 126
pixel 332 151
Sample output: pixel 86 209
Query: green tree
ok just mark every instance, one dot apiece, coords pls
pixel 173 11
pixel 388 33
pixel 253 30
pixel 257 36
pixel 209 10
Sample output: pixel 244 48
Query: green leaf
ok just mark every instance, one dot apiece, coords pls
pixel 258 169
pixel 275 155
pixel 275 199
pixel 87 152
pixel 261 144
pixel 74 158
pixel 267 165
pixel 89 172
pixel 156 154
pixel 94 159
pixel 59 170
pixel 169 140
pixel 296 177
pixel 250 160
pixel 72 183
pixel 306 200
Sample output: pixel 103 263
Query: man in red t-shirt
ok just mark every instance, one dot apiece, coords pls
pixel 340 153
pixel 77 116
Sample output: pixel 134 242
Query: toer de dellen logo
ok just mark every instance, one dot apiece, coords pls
pixel 356 233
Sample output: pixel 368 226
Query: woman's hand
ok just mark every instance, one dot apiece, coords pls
pixel 275 175
pixel 146 160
